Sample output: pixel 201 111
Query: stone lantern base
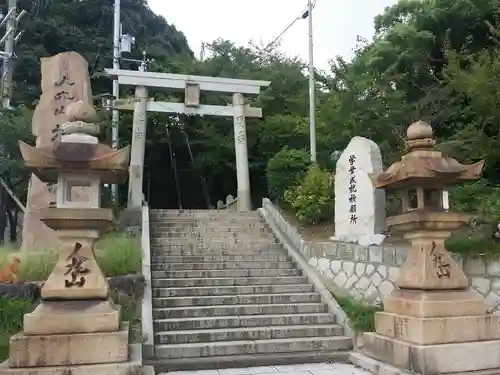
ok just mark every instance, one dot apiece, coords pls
pixel 132 366
pixel 75 329
pixel 432 332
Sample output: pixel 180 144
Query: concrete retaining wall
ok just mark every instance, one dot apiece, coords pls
pixel 368 273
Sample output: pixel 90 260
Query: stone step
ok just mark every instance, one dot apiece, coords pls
pixel 271 272
pixel 160 239
pixel 214 244
pixel 249 333
pixel 202 224
pixel 158 252
pixel 178 251
pixel 219 258
pixel 261 248
pixel 237 310
pixel 229 290
pixel 228 348
pixel 220 265
pixel 247 236
pixel 209 225
pixel 245 299
pixel 176 324
pixel 206 216
pixel 203 212
pixel 247 360
pixel 207 220
pixel 227 281
pixel 204 229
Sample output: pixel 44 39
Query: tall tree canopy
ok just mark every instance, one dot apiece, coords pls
pixel 436 60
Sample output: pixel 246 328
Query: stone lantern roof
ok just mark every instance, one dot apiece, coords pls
pixel 79 150
pixel 424 165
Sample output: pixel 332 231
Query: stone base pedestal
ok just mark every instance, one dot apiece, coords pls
pixel 132 366
pixel 69 349
pixel 66 317
pixel 435 332
pixel 433 359
pixel 435 303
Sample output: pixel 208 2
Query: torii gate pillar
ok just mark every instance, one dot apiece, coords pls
pixel 241 151
pixel 138 148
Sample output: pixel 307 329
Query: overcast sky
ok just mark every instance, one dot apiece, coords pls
pixel 337 23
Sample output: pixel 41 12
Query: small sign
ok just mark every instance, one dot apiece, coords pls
pixel 192 94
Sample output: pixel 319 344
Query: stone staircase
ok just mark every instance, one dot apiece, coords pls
pixel 225 293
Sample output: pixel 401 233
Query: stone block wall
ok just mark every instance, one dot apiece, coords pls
pixel 368 273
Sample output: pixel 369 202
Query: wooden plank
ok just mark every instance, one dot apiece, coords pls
pixel 180 108
pixel 178 81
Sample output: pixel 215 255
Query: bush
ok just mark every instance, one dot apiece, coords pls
pixel 361 315
pixel 117 254
pixel 11 320
pixel 285 170
pixel 482 200
pixel 312 201
pixel 478 197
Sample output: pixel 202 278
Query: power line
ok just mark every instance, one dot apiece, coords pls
pixel 303 15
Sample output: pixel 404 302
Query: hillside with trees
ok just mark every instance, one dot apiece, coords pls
pixel 436 60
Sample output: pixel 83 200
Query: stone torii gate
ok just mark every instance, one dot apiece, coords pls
pixel 192 86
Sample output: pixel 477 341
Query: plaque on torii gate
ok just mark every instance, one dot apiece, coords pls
pixel 192 87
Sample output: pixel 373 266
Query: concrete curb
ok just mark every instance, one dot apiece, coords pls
pixel 147 303
pixel 319 287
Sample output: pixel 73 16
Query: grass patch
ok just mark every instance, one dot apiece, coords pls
pixel 117 254
pixel 11 320
pixel 361 315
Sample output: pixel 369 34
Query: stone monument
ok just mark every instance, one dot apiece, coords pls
pixel 65 79
pixel 432 323
pixel 75 329
pixel 359 207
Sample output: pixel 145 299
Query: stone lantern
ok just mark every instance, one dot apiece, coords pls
pixel 432 323
pixel 75 325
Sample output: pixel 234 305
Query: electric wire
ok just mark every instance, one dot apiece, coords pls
pixel 174 167
pixel 100 44
pixel 303 15
pixel 204 185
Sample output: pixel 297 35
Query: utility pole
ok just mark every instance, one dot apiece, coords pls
pixel 312 89
pixel 116 86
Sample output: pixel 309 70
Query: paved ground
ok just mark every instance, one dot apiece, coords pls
pixel 305 369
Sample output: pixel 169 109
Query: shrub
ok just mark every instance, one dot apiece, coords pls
pixel 482 200
pixel 119 254
pixel 361 315
pixel 478 197
pixel 11 320
pixel 285 170
pixel 312 201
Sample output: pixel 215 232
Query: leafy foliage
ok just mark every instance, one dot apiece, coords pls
pixel 361 316
pixel 312 200
pixel 436 60
pixel 285 170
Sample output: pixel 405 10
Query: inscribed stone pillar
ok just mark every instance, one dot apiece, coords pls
pixel 241 151
pixel 138 149
pixel 65 79
pixel 359 207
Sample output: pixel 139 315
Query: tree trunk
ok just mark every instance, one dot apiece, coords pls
pixel 3 214
pixel 13 217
